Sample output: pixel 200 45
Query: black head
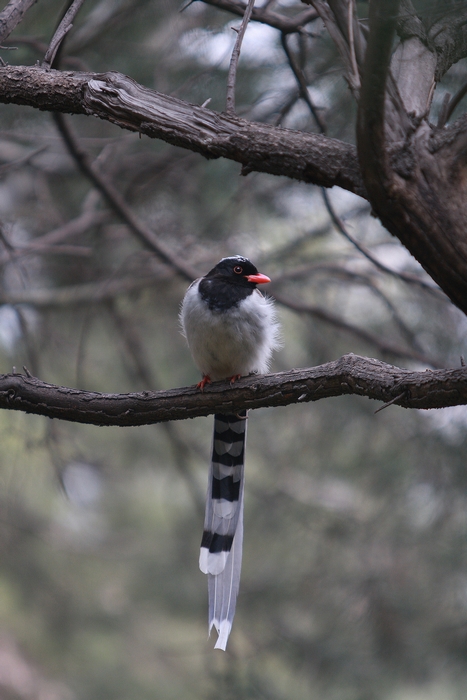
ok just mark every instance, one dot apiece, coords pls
pixel 238 270
pixel 230 281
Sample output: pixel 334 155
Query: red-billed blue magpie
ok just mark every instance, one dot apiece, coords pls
pixel 231 329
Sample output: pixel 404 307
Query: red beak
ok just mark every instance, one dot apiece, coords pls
pixel 258 279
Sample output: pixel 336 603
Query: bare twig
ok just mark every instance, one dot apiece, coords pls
pixel 335 30
pixel 383 346
pixel 287 25
pixel 19 162
pixel 232 76
pixel 412 279
pixel 118 204
pixel 286 108
pixel 390 403
pixel 300 78
pixel 40 47
pixel 366 280
pixel 51 241
pixel 81 293
pixel 12 15
pixel 62 30
pixel 350 374
pixel 147 380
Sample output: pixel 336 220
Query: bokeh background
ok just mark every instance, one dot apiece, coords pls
pixel 354 583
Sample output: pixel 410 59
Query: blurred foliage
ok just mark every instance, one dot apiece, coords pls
pixel 354 584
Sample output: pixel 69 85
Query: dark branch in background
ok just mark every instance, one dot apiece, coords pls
pixel 232 75
pixel 112 96
pixel 340 39
pixel 303 87
pixel 287 25
pixel 62 30
pixel 350 374
pixel 144 375
pixel 53 241
pixel 82 293
pixel 347 20
pixel 12 15
pixel 118 204
pixel 405 277
pixel 385 347
pixel 109 290
pixel 376 73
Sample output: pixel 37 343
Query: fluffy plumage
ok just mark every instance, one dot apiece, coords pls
pixel 231 329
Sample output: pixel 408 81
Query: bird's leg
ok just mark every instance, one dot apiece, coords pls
pixel 234 378
pixel 205 380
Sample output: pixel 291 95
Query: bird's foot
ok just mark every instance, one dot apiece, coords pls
pixel 235 377
pixel 205 380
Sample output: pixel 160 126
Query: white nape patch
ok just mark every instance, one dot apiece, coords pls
pixel 224 509
pixel 231 448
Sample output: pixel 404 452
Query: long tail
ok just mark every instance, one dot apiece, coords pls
pixel 221 547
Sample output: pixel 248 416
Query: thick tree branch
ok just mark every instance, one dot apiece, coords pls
pixel 350 374
pixel 416 186
pixel 441 27
pixel 112 96
pixel 448 35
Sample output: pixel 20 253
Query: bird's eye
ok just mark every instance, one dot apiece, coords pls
pixel 238 269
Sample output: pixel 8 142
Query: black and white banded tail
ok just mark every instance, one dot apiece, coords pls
pixel 221 547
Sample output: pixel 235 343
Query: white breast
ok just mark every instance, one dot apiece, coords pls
pixel 225 343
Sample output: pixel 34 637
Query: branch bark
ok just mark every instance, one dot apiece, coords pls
pixel 116 98
pixel 62 30
pixel 12 15
pixel 416 186
pixel 350 374
pixel 287 25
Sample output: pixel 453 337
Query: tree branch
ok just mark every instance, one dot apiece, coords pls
pixel 12 15
pixel 350 374
pixel 415 185
pixel 232 75
pixel 116 98
pixel 62 30
pixel 384 346
pixel 115 200
pixel 302 85
pixel 287 25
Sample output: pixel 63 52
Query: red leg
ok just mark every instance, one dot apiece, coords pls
pixel 205 380
pixel 235 377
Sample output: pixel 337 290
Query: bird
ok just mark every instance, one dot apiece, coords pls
pixel 231 330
